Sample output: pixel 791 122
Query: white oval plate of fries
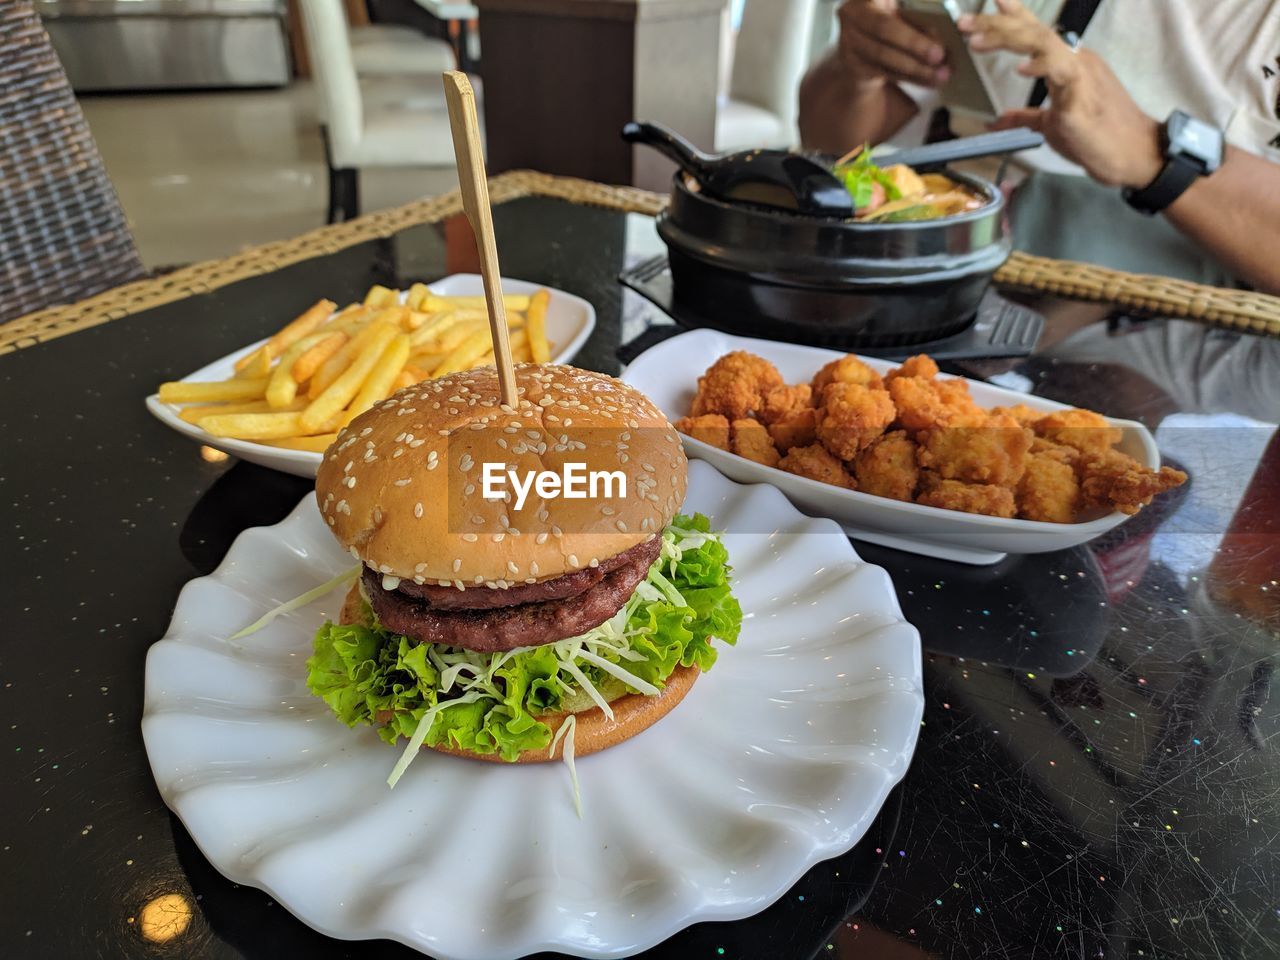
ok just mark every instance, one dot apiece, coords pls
pixel 668 374
pixel 280 401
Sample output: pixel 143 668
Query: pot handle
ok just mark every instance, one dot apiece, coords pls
pixel 669 143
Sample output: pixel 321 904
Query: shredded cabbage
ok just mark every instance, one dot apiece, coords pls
pixel 566 730
pixel 290 605
pixel 490 703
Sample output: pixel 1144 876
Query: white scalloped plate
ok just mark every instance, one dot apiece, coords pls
pixel 778 758
pixel 569 320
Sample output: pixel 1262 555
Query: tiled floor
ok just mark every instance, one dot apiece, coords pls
pixel 202 175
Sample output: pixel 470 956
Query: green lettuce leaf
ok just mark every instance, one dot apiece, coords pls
pixel 492 702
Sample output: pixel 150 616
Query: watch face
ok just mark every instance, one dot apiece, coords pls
pixel 1195 140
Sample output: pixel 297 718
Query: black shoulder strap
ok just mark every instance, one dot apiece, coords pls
pixel 1072 18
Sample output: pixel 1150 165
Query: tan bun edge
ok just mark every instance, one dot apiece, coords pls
pixel 593 731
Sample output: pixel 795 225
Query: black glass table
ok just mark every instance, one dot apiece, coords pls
pixel 1097 772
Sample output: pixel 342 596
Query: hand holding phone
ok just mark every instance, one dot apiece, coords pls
pixel 878 44
pixel 966 88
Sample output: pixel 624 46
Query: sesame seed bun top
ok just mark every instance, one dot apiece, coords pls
pixel 401 485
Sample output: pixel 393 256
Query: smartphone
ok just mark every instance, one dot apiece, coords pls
pixel 968 88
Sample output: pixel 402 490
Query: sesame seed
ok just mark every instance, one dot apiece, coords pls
pixel 404 482
pixel 399 453
pixel 470 537
pixel 419 567
pixel 573 560
pixel 511 565
pixel 417 509
pixel 469 489
pixel 607 510
pixel 540 539
pixel 498 537
pixel 621 525
pixel 457 565
pixel 533 567
pixel 595 562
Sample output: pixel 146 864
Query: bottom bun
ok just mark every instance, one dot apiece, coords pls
pixel 593 731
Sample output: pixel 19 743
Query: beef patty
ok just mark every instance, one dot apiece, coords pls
pixel 506 628
pixel 557 588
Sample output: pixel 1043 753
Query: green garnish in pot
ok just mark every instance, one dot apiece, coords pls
pixel 860 176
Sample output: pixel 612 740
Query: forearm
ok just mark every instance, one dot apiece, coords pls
pixel 1235 215
pixel 837 114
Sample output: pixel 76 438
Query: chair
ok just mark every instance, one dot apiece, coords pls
pixel 63 234
pixel 772 55
pixel 381 49
pixel 393 121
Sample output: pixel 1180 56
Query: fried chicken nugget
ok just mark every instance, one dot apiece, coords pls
pixel 1056 451
pixel 984 498
pixel 921 365
pixel 816 463
pixel 1089 432
pixel 797 430
pixel 993 452
pixel 1048 489
pixel 750 439
pixel 846 369
pixel 735 385
pixel 888 467
pixel 1027 416
pixel 852 416
pixel 712 428
pixel 783 402
pixel 1119 481
pixel 923 404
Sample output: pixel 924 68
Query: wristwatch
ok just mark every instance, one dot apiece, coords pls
pixel 1192 149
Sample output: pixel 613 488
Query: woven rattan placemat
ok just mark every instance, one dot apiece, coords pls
pixel 1161 296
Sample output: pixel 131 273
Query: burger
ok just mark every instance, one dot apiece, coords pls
pixel 501 610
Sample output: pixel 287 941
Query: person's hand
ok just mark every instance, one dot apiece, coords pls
pixel 1090 118
pixel 876 45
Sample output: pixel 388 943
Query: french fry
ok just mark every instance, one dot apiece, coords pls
pixel 378 384
pixel 464 355
pixel 282 387
pixel 317 444
pixel 433 327
pixel 254 388
pixel 521 354
pixel 415 373
pixel 333 367
pixel 512 301
pixel 256 364
pixel 380 296
pixel 251 357
pixel 254 426
pixel 404 379
pixel 305 324
pixel 195 414
pixel 309 362
pixel 342 390
pixel 416 295
pixel 536 323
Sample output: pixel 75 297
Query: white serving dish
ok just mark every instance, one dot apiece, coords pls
pixel 779 757
pixel 570 321
pixel 668 374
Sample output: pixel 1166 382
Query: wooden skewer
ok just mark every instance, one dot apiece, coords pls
pixel 475 203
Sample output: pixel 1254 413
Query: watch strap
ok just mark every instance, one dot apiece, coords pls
pixel 1178 174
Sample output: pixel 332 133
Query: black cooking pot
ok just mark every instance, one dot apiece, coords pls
pixel 829 281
